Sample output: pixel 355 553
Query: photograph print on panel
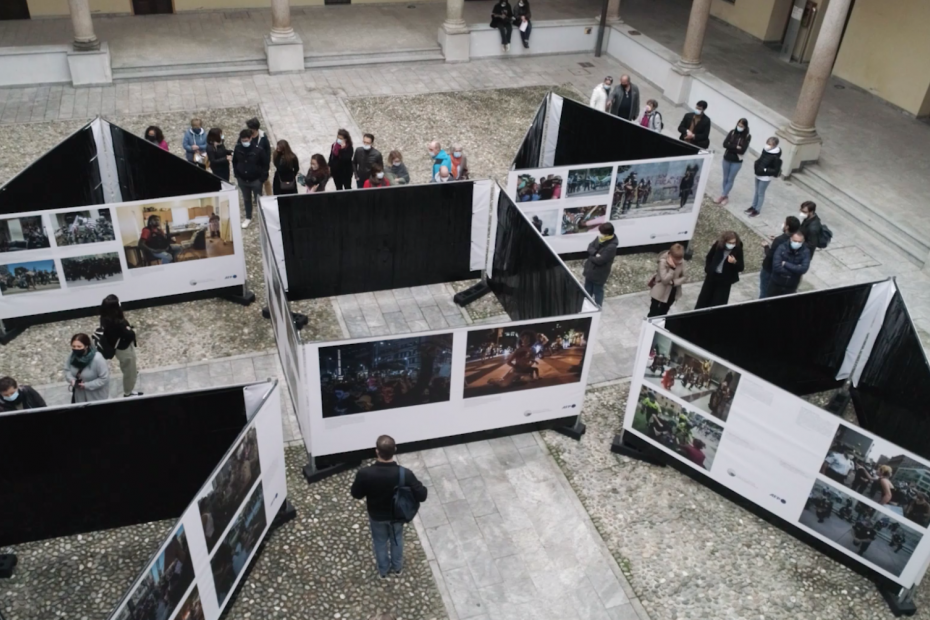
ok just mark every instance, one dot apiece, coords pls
pixel 583 219
pixel 656 188
pixel 546 187
pixel 859 528
pixel 82 227
pixel 34 276
pixel 233 553
pixel 546 222
pixel 92 269
pixel 521 357
pixel 880 471
pixel 23 233
pixel 703 383
pixel 686 433
pixel 589 182
pixel 164 584
pixel 192 609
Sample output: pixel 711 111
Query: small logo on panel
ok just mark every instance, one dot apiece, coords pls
pixel 232 277
pixel 781 499
pixel 530 412
pixel 193 282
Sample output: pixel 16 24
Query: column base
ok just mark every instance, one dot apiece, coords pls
pixel 455 43
pixel 678 84
pixel 798 149
pixel 285 56
pixel 91 68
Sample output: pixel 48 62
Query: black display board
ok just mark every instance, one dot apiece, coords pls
pixel 530 153
pixel 66 176
pixel 337 243
pixel 796 342
pixel 528 278
pixel 111 464
pixel 589 136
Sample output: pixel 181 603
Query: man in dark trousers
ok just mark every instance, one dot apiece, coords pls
pixel 791 226
pixel 863 535
pixel 260 139
pixel 789 263
pixel 624 101
pixel 601 254
pixel 810 225
pixel 250 165
pixel 365 156
pixel 376 484
pixel 695 126
pixel 15 397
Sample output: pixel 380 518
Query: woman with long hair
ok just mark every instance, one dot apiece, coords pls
pixel 734 145
pixel 86 371
pixel 286 169
pixel 217 153
pixel 340 160
pixel 399 175
pixel 722 266
pixel 154 135
pixel 116 335
pixel 318 174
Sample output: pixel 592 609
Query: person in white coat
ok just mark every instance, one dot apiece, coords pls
pixel 600 98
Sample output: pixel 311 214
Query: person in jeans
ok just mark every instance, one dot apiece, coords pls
pixel 375 484
pixel 249 164
pixel 521 15
pixel 767 167
pixel 116 332
pixel 154 242
pixel 601 254
pixel 15 397
pixel 734 145
pixel 792 225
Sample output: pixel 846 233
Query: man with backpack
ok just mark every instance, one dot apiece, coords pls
pixel 393 495
pixel 816 235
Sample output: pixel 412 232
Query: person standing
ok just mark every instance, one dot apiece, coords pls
pixel 249 165
pixel 502 19
pixel 624 101
pixel 669 277
pixel 340 160
pixel 116 334
pixel 87 372
pixel 652 118
pixel 195 143
pixel 376 485
pixel 376 178
pixel 522 21
pixel 810 225
pixel 734 145
pixel 287 167
pixel 789 263
pixel 439 157
pixel 601 254
pixel 459 163
pixel 15 397
pixel 366 156
pixel 261 140
pixel 722 266
pixel 600 97
pixel 443 176
pixel 217 154
pixel 685 187
pixel 155 135
pixel 318 175
pixel 399 174
pixel 791 226
pixel 695 126
pixel 767 167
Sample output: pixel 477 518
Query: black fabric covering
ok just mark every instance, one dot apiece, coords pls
pixel 530 153
pixel 893 392
pixel 589 136
pixel 528 278
pixel 146 171
pixel 111 464
pixel 796 342
pixel 66 176
pixel 337 243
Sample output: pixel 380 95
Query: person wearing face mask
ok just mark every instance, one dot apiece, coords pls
pixel 459 167
pixel 340 160
pixel 87 372
pixel 624 101
pixel 695 126
pixel 792 225
pixel 116 338
pixel 652 118
pixel 195 143
pixel 601 254
pixel 14 397
pixel 601 95
pixel 811 226
pixel 250 162
pixel 443 176
pixel 666 285
pixel 789 262
pixel 261 140
pixel 318 175
pixel 734 145
pixel 398 174
pixel 502 19
pixel 722 266
pixel 365 157
pixel 287 167
pixel 767 167
pixel 521 21
pixel 376 178
pixel 439 157
pixel 217 153
pixel 154 135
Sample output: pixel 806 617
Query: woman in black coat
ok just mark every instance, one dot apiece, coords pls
pixel 722 267
pixel 502 19
pixel 340 160
pixel 217 153
pixel 287 167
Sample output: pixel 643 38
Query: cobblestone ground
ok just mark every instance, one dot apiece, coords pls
pixel 691 554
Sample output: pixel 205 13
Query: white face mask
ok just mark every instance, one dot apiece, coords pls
pixel 246 144
pixel 796 245
pixel 698 111
pixel 730 246
pixel 223 137
pixel 802 216
pixel 396 164
pixel 380 175
pixel 740 129
pixel 340 142
pixel 367 147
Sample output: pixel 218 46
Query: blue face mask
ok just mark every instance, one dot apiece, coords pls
pixel 730 246
pixel 698 111
pixel 12 397
pixel 796 245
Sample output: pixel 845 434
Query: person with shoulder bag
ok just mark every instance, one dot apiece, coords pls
pixel 665 285
pixel 116 338
pixel 735 145
pixel 287 167
pixel 652 118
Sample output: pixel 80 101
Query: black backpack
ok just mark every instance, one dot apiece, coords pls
pixel 103 345
pixel 405 504
pixel 825 237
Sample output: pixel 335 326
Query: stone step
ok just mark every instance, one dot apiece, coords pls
pixel 254 65
pixel 860 214
pixel 340 59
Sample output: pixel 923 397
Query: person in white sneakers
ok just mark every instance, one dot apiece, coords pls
pixel 601 95
pixel 250 161
pixel 502 19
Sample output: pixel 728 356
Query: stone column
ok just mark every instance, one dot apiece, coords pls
pixel 694 39
pixel 454 36
pixel 84 38
pixel 613 12
pixel 283 48
pixel 455 22
pixel 281 29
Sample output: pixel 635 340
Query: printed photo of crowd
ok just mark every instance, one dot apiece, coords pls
pixel 684 432
pixel 28 277
pixel 385 374
pixel 163 585
pixel 23 233
pixel 192 608
pixel 93 269
pixel 583 219
pixel 589 182
pixel 233 553
pixel 80 227
pixel 228 488
pixel 549 187
pixel 657 188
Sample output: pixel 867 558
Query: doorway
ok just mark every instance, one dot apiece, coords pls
pixel 152 7
pixel 14 9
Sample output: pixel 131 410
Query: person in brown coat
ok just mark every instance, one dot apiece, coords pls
pixel 670 275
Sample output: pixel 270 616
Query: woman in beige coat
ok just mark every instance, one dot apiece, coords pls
pixel 669 277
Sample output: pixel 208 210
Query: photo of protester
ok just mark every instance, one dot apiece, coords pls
pixel 686 433
pixel 80 227
pixel 385 374
pixel 175 231
pixel 520 357
pixel 589 182
pixel 546 222
pixel 192 609
pixel 583 219
pixel 164 584
pixel 859 528
pixel 28 277
pixel 657 188
pixel 549 187
pixel 880 471
pixel 703 383
pixel 228 488
pixel 93 269
pixel 23 233
pixel 233 553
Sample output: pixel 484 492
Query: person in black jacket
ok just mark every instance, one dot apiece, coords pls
pixel 522 14
pixel 116 333
pixel 734 145
pixel 287 167
pixel 340 160
pixel 601 254
pixel 502 19
pixel 695 126
pixel 250 162
pixel 792 225
pixel 14 397
pixel 376 484
pixel 767 167
pixel 259 137
pixel 365 156
pixel 810 225
pixel 217 154
pixel 789 264
pixel 722 266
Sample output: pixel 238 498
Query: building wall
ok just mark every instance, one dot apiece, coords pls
pixel 885 51
pixel 58 8
pixel 48 8
pixel 763 19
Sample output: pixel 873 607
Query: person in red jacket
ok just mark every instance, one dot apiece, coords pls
pixel 377 178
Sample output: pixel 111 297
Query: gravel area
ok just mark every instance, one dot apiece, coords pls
pixel 691 554
pixel 320 565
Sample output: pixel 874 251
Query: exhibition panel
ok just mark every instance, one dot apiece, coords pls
pixel 530 152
